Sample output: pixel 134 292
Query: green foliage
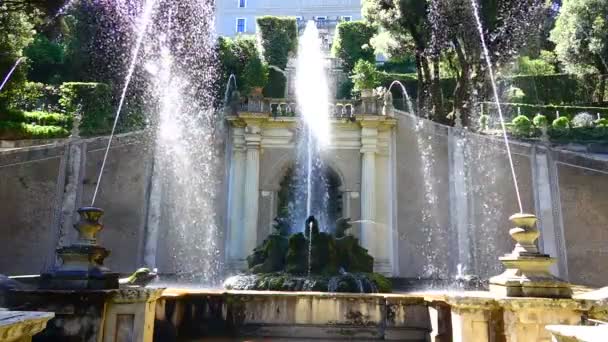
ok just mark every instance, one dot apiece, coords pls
pixel 540 120
pixel 92 101
pixel 581 35
pixel 352 43
pixel 521 126
pixel 255 74
pixel 550 111
pixel 365 76
pixel 561 124
pixel 46 60
pixel 241 58
pixel 39 118
pixel 17 32
pixel 35 96
pixel 278 38
pixel 603 122
pixel 10 130
pixel 539 66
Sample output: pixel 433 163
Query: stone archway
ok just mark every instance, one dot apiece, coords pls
pixel 327 192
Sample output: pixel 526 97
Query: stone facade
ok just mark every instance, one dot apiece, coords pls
pixel 444 198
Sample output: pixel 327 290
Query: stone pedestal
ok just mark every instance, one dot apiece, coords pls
pixel 125 314
pixel 81 264
pixel 20 326
pixel 525 319
pixel 527 271
pixel 473 319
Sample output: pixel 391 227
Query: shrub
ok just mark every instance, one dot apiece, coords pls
pixel 365 76
pixel 18 130
pixel 93 102
pixel 46 59
pixel 560 127
pixel 540 121
pixel 38 118
pixel 235 57
pixel 603 122
pixel 521 126
pixel 36 96
pixel 255 74
pixel 352 43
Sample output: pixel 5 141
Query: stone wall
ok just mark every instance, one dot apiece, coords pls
pixel 455 194
pixel 32 191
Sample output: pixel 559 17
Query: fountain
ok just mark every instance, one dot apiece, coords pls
pixel 310 261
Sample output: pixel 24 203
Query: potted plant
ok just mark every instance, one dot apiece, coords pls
pixel 365 78
pixel 255 76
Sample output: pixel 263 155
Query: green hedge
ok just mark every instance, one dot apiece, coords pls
pixel 39 118
pixel 561 130
pixel 530 110
pixel 558 89
pixel 19 130
pixel 93 101
pixel 351 43
pixel 278 38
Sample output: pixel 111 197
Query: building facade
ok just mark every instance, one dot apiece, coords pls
pixel 234 17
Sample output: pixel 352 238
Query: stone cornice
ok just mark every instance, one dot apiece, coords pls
pixel 18 325
pixel 136 295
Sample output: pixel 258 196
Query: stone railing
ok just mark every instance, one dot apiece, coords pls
pixel 288 107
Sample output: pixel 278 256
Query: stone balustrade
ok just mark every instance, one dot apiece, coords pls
pixel 281 107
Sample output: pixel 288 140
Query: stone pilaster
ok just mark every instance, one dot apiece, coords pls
pixel 76 157
pixel 236 252
pixel 369 147
pixel 253 139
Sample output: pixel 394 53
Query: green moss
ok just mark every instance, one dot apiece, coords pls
pixel 384 284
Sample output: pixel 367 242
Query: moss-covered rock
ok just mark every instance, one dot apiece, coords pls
pixel 337 264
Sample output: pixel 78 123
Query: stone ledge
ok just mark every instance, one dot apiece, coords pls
pixel 15 325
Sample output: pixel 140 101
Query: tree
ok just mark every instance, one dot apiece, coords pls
pixel 17 32
pixel 581 38
pixel 352 43
pixel 434 29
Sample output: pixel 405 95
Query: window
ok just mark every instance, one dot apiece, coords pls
pixel 242 3
pixel 347 18
pixel 240 25
pixel 321 18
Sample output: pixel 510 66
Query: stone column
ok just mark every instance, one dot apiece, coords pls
pixel 235 238
pixel 369 141
pixel 253 139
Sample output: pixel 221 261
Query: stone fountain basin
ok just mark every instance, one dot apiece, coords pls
pixel 314 315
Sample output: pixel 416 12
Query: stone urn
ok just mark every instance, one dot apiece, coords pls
pixel 81 263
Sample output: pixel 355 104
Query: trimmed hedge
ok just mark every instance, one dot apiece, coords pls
pixel 351 43
pixel 530 110
pixel 39 118
pixel 19 130
pixel 278 38
pixel 561 130
pixel 93 101
pixel 560 89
